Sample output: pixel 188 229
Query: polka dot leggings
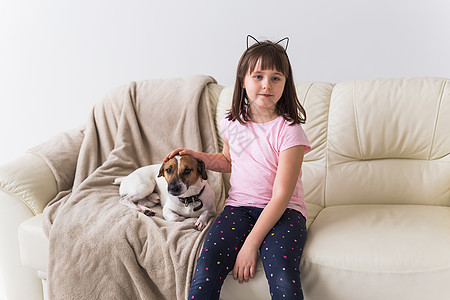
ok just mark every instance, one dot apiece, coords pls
pixel 280 252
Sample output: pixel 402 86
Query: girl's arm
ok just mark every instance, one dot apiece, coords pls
pixel 219 162
pixel 289 165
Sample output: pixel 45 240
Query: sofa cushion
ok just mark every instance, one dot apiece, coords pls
pixel 391 137
pixel 315 98
pixel 378 251
pixel 364 114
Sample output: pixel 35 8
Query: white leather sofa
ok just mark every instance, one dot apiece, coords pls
pixel 377 185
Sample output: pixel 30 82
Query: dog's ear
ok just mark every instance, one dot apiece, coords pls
pixel 202 169
pixel 161 171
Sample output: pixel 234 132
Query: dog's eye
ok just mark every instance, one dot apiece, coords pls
pixel 169 171
pixel 187 171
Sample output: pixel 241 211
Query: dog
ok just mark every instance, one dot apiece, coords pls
pixel 179 184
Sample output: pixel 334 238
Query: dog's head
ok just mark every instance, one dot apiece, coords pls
pixel 182 172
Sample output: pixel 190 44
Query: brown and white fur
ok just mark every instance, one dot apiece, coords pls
pixel 170 183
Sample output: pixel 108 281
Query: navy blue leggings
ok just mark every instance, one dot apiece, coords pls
pixel 280 252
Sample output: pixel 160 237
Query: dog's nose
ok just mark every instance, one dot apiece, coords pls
pixel 174 189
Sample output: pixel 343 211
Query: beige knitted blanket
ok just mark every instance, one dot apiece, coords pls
pixel 100 249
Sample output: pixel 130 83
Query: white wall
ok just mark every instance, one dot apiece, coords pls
pixel 58 57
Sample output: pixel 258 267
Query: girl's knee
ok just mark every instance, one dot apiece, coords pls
pixel 284 282
pixel 285 291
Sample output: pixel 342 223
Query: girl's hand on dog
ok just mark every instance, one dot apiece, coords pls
pixel 180 151
pixel 218 162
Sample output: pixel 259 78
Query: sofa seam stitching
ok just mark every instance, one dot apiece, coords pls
pixel 358 135
pixel 436 118
pixel 21 200
pixel 341 269
pixel 327 149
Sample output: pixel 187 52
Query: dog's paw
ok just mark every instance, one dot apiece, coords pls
pixel 149 213
pixel 199 225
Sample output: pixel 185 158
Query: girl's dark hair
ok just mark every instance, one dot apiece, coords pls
pixel 272 56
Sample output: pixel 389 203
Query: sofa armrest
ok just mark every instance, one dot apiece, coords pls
pixel 29 180
pixel 26 186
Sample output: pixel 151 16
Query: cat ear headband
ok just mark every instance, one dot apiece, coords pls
pixel 250 37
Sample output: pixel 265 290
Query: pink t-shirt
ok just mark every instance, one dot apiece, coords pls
pixel 254 151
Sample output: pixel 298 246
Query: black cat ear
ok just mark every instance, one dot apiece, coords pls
pixel 286 44
pixel 249 38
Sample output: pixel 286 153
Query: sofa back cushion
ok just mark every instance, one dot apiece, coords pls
pixel 382 141
pixel 315 98
pixel 389 142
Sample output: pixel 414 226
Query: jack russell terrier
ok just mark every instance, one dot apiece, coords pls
pixel 180 184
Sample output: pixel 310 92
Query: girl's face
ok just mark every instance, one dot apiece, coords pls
pixel 264 88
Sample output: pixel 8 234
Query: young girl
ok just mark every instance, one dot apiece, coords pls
pixel 263 149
